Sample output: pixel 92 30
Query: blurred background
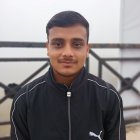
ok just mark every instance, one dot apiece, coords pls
pixel 114 55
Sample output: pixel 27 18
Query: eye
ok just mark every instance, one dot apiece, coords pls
pixel 77 44
pixel 57 44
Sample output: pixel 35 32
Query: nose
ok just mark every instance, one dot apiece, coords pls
pixel 67 51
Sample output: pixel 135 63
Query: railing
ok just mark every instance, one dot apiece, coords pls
pixel 11 89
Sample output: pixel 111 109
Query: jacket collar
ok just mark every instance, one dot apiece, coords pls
pixel 76 82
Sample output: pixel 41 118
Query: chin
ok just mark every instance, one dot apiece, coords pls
pixel 67 73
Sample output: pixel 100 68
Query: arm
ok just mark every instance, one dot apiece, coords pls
pixel 18 118
pixel 114 122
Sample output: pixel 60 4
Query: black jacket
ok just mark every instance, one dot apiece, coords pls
pixel 90 109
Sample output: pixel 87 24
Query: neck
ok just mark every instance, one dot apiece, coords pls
pixel 64 79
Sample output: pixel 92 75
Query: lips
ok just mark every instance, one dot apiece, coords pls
pixel 67 62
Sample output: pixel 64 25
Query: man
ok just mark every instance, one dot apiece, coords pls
pixel 67 103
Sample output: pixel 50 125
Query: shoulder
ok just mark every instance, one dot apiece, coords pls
pixel 30 87
pixel 106 95
pixel 96 81
pixel 104 88
pixel 36 83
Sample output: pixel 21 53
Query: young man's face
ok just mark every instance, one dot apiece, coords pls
pixel 67 48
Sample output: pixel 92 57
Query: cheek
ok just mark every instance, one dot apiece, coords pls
pixel 82 58
pixel 53 57
pixel 52 54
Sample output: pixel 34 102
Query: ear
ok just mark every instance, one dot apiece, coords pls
pixel 88 48
pixel 47 46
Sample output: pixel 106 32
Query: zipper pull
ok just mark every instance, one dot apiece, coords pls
pixel 68 94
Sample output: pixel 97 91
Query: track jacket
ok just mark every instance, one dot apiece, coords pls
pixel 90 109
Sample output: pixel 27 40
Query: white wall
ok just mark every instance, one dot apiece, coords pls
pixel 130 33
pixel 25 20
pixel 130 21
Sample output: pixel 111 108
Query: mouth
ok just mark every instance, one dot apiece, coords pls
pixel 67 62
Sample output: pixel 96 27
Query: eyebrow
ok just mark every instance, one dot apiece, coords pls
pixel 73 39
pixel 78 39
pixel 57 39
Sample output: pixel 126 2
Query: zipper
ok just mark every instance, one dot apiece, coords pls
pixel 69 113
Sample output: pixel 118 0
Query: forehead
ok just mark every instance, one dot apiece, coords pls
pixel 75 31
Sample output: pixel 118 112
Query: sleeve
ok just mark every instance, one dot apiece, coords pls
pixel 114 122
pixel 18 117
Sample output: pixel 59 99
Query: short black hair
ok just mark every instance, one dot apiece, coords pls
pixel 66 19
